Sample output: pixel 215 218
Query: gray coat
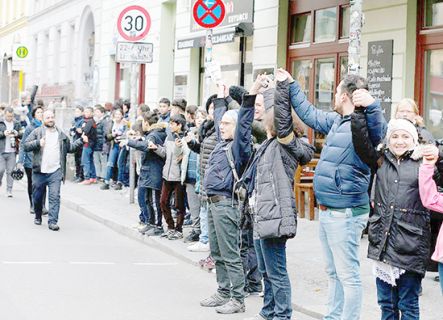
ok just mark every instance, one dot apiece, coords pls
pixel 173 157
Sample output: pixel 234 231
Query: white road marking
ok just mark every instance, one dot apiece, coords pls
pixel 26 262
pixel 91 262
pixel 160 264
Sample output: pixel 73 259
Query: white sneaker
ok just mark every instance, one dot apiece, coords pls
pixel 9 194
pixel 199 247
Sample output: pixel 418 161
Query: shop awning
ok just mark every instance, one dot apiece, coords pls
pixel 220 35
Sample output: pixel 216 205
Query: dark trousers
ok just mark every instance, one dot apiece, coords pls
pixel 53 181
pixel 401 301
pixel 149 203
pixel 30 190
pixel 78 164
pixel 249 260
pixel 167 189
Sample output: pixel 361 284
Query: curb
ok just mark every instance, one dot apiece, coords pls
pixel 153 243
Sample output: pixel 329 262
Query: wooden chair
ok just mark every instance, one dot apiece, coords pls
pixel 301 187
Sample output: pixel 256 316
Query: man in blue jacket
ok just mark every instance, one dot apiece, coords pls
pixel 233 131
pixel 341 185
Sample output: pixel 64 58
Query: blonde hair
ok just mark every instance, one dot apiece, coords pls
pixel 411 103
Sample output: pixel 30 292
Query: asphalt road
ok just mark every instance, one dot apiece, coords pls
pixel 86 271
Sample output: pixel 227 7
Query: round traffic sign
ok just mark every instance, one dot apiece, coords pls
pixel 134 23
pixel 22 52
pixel 209 13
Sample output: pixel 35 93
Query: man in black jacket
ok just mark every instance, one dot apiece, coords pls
pixel 50 147
pixel 89 129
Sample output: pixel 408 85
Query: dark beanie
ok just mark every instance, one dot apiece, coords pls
pixel 209 101
pixel 237 93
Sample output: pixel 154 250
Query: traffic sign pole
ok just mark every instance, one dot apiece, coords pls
pixel 132 117
pixel 208 60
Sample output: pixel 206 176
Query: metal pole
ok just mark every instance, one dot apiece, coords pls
pixel 208 60
pixel 132 115
pixel 356 24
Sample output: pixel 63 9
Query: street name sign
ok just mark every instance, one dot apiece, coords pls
pixel 134 52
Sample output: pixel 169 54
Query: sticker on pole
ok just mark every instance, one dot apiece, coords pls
pixel 134 23
pixel 209 13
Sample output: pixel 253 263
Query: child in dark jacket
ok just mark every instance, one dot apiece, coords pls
pixel 89 129
pixel 150 178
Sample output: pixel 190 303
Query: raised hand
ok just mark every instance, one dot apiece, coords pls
pixel 430 154
pixel 281 75
pixel 362 98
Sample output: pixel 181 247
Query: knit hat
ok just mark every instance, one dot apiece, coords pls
pixel 209 101
pixel 233 114
pixel 402 124
pixel 236 93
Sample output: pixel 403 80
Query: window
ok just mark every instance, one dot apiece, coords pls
pixel 433 13
pixel 345 17
pixel 325 25
pixel 301 28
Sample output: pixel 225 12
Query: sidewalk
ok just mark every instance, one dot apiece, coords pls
pixel 305 264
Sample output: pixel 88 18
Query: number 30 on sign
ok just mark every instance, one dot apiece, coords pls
pixel 134 23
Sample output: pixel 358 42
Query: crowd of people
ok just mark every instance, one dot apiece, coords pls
pixel 226 170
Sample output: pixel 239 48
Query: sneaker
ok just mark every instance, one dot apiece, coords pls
pixel 45 212
pixel 202 262
pixel 192 237
pixel 199 247
pixel 38 221
pixel 187 223
pixel 251 292
pixel 53 227
pixel 93 180
pixel 156 231
pixel 9 194
pixel 31 210
pixel 209 264
pixel 145 227
pixel 86 182
pixel 175 235
pixel 118 186
pixel 233 306
pixel 216 300
pixel 104 186
pixel 437 279
pixel 167 233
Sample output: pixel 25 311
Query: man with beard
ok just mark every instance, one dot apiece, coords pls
pixel 50 147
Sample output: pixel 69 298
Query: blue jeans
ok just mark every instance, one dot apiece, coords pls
pixel 401 299
pixel 53 182
pixel 204 237
pixel 271 259
pixel 123 166
pixel 112 161
pixel 340 235
pixel 88 163
pixel 248 255
pixel 440 270
pixel 149 203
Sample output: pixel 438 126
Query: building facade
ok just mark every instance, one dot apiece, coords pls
pixel 72 46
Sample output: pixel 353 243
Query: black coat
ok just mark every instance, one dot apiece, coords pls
pixel 152 164
pixel 399 227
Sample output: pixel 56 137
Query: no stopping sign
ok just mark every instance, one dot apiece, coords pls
pixel 134 23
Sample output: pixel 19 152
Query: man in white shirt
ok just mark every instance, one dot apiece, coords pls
pixel 49 146
pixel 10 129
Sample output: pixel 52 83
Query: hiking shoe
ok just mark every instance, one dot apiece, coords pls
pixel 167 233
pixel 233 306
pixel 104 186
pixel 192 237
pixel 118 186
pixel 53 227
pixel 144 227
pixel 175 235
pixel 216 300
pixel 38 221
pixel 156 231
pixel 199 247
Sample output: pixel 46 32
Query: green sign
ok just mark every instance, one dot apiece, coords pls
pixel 22 52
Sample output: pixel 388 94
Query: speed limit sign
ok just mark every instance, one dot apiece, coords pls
pixel 134 23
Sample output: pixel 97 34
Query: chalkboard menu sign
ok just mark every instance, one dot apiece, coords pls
pixel 380 73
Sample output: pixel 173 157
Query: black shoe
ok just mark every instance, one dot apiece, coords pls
pixel 53 227
pixel 38 221
pixel 45 212
pixel 192 237
pixel 105 186
pixel 437 279
pixel 118 186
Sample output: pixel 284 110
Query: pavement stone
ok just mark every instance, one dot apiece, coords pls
pixel 305 263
